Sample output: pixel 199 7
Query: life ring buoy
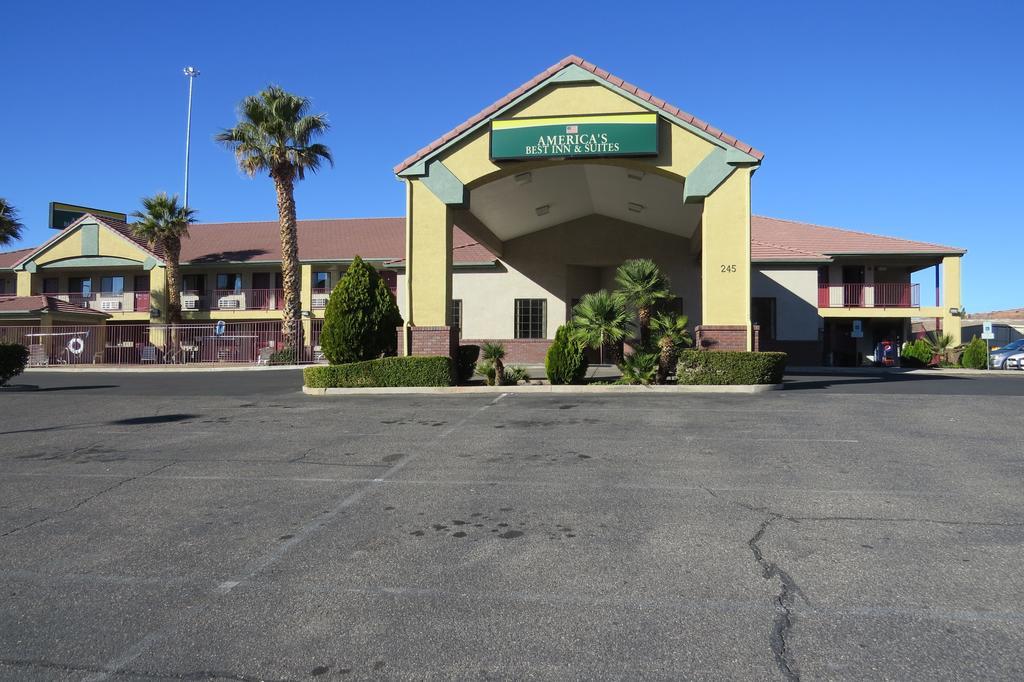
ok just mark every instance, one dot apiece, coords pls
pixel 76 346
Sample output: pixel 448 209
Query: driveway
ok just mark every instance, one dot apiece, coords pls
pixel 222 525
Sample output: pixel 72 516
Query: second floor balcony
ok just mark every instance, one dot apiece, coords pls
pixel 107 301
pixel 233 299
pixel 879 295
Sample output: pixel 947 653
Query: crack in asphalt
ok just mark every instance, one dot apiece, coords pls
pixel 86 500
pixel 783 622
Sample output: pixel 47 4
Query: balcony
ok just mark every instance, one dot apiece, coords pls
pixel 882 295
pixel 107 301
pixel 233 299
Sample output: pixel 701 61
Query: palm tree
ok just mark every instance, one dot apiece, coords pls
pixel 639 367
pixel 643 285
pixel 10 226
pixel 163 223
pixel 494 359
pixel 939 344
pixel 672 334
pixel 600 319
pixel 275 134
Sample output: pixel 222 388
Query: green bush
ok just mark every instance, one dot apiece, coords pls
pixel 13 358
pixel 729 367
pixel 361 317
pixel 417 370
pixel 285 356
pixel 514 374
pixel 975 354
pixel 468 355
pixel 566 360
pixel 639 368
pixel 916 354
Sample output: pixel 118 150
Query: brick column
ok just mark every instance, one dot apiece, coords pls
pixel 430 341
pixel 726 337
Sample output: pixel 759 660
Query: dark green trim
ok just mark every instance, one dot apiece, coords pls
pixel 91 262
pixel 90 239
pixel 706 177
pixel 444 185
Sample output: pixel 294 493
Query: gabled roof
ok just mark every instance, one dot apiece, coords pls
pixel 39 304
pixel 8 259
pixel 121 228
pixel 777 240
pixel 337 239
pixel 614 81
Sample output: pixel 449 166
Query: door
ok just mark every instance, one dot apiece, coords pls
pixel 140 285
pixel 853 285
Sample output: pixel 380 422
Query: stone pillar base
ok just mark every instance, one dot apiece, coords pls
pixel 726 337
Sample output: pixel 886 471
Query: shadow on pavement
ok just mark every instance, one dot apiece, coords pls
pixel 155 419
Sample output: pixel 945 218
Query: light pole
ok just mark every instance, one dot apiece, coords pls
pixel 191 72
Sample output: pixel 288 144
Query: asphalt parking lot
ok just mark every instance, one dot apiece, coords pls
pixel 223 525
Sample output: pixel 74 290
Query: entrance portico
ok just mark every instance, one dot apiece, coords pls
pixel 573 205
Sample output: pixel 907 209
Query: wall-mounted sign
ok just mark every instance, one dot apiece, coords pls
pixel 858 330
pixel 62 215
pixel 567 137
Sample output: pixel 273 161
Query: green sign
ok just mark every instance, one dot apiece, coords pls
pixel 567 137
pixel 62 215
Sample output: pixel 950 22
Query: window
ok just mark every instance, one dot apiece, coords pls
pixel 229 281
pixel 3 286
pixel 457 314
pixel 51 285
pixel 762 312
pixel 531 318
pixel 80 285
pixel 194 283
pixel 321 281
pixel 112 285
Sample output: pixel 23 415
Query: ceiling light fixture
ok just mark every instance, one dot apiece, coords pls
pixel 635 175
pixel 543 210
pixel 524 178
pixel 634 207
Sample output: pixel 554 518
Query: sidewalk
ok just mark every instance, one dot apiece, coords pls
pixel 883 371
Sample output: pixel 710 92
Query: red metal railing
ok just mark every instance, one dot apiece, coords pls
pixel 881 295
pixel 107 301
pixel 145 344
pixel 247 299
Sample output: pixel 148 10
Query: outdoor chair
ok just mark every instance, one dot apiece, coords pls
pixel 37 356
pixel 148 354
pixel 264 357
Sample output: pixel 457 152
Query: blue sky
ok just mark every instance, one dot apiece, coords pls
pixel 900 118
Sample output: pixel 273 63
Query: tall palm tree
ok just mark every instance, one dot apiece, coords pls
pixel 642 285
pixel 600 319
pixel 10 226
pixel 275 134
pixel 163 223
pixel 672 333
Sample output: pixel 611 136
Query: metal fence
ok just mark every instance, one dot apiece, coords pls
pixel 219 342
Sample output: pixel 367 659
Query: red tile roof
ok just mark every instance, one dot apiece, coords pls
pixel 36 304
pixel 319 240
pixel 600 73
pixel 8 259
pixel 778 240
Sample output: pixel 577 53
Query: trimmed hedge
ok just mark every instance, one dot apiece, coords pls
pixel 727 368
pixel 975 354
pixel 361 317
pixel 417 370
pixel 566 360
pixel 916 354
pixel 13 358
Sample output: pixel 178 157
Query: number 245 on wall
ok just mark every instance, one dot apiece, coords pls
pixel 728 268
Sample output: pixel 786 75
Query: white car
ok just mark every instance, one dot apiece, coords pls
pixel 1015 361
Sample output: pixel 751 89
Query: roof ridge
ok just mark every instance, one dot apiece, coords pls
pixel 297 220
pixel 754 240
pixel 857 232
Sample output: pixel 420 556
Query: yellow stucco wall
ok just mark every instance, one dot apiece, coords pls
pixel 951 297
pixel 725 261
pixel 111 244
pixel 430 257
pixel 24 283
pixel 158 292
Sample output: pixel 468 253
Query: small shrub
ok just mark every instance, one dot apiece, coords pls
pixel 13 358
pixel 730 367
pixel 916 354
pixel 493 366
pixel 417 370
pixel 361 317
pixel 975 354
pixel 514 374
pixel 639 368
pixel 566 360
pixel 285 356
pixel 468 356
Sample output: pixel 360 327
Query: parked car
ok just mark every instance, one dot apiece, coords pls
pixel 997 358
pixel 1015 361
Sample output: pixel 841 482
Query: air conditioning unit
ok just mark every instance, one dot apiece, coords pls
pixel 228 303
pixel 320 301
pixel 190 303
pixel 110 304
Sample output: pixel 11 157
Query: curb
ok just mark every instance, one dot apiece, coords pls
pixel 897 371
pixel 162 369
pixel 18 388
pixel 545 389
